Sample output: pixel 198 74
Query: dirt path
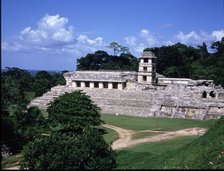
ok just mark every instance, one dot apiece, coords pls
pixel 125 136
pixel 12 168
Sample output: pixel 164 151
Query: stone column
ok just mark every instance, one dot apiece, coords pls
pixel 120 86
pixel 101 85
pixel 110 86
pixel 74 84
pixel 82 84
pixel 91 85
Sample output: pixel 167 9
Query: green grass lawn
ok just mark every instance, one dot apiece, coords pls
pixel 204 152
pixel 139 135
pixel 130 157
pixel 161 124
pixel 110 136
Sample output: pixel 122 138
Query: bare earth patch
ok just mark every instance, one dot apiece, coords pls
pixel 125 136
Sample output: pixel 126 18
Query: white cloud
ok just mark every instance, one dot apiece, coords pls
pixel 144 33
pixel 53 22
pixel 218 34
pixel 169 43
pixel 193 38
pixel 141 41
pixel 140 47
pixel 50 30
pixel 52 35
pixel 148 36
pixel 130 40
pixel 85 40
pixel 185 38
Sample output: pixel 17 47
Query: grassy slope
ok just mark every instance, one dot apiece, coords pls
pixel 110 135
pixel 165 124
pixel 203 153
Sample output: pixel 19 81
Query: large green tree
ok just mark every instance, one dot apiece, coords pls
pixel 74 111
pixel 101 60
pixel 19 125
pixel 183 61
pixel 75 141
pixel 78 151
pixel 23 77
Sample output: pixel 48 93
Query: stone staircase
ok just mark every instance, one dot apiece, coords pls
pixel 144 103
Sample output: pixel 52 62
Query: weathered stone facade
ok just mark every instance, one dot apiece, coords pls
pixel 144 93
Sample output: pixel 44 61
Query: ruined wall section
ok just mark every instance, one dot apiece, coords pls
pixel 173 101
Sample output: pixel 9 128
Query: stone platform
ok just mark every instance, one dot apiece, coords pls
pixel 169 101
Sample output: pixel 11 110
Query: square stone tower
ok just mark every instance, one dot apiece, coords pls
pixel 147 68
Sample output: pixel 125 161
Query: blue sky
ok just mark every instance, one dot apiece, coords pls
pixel 52 34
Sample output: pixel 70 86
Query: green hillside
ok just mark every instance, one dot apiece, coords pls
pixel 206 152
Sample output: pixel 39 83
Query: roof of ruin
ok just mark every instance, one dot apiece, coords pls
pixel 103 76
pixel 148 54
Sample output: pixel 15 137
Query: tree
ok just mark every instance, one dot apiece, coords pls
pixel 218 46
pixel 74 111
pixel 203 51
pixel 58 79
pixel 23 77
pixel 42 83
pixel 100 60
pixel 12 94
pixel 74 141
pixel 117 48
pixel 19 125
pixel 59 151
pixel 29 124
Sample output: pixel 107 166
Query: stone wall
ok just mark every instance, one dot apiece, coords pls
pixel 156 101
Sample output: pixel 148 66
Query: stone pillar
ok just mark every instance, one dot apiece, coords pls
pixel 120 86
pixel 101 85
pixel 110 86
pixel 82 84
pixel 91 85
pixel 139 78
pixel 74 84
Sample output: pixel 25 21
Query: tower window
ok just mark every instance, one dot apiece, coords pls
pixel 146 60
pixel 144 78
pixel 144 68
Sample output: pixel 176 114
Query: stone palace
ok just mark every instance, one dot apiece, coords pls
pixel 144 93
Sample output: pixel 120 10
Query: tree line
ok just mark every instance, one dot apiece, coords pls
pixel 68 137
pixel 181 61
pixel 178 61
pixel 38 83
pixel 15 83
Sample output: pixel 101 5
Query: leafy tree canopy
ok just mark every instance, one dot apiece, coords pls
pixel 59 151
pixel 73 111
pixel 23 77
pixel 74 142
pixel 183 61
pixel 101 60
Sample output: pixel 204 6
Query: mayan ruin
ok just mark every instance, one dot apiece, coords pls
pixel 144 93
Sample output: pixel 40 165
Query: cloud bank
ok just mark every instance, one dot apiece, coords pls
pixel 52 35
pixel 145 38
